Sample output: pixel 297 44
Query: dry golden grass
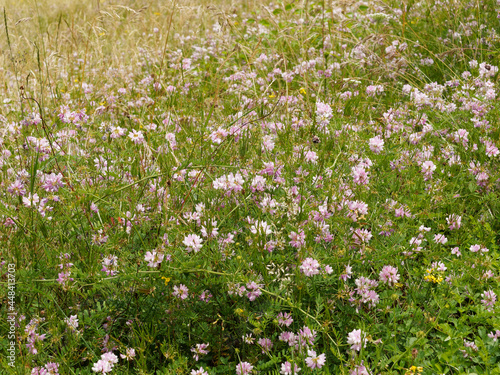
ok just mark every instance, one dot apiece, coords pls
pixel 44 41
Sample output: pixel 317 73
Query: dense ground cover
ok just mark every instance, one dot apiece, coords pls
pixel 254 188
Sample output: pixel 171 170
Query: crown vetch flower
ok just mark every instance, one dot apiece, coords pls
pixel 315 361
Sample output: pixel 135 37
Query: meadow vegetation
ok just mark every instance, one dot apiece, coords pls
pixel 250 187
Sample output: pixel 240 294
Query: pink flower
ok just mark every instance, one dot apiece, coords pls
pixel 347 273
pixel 456 251
pixel 52 182
pixel 110 357
pixel 389 275
pixel 258 184
pixel 193 242
pixel 323 114
pixel 180 291
pixel 489 299
pixel 218 135
pixel 243 368
pixel 356 209
pixel 360 236
pixel 365 291
pixel 110 265
pixel 170 137
pixel 487 70
pixel 284 319
pixel 440 238
pixel 266 344
pixel 298 240
pixel 306 336
pixel 267 143
pixel 17 188
pixel 200 371
pixel 199 350
pixel 311 156
pixel 327 269
pixel 253 290
pixel 288 337
pixel 136 136
pixel 315 361
pixel 129 354
pixel 360 370
pixel 471 344
pixel 354 339
pixel 460 136
pixel 106 363
pixel 30 200
pixel 154 258
pixel 376 144
pixel 360 175
pixel 439 266
pixel 454 221
pixel 205 296
pixel 488 274
pixel 494 335
pixel 428 167
pixel 229 183
pixel 475 248
pixel 72 322
pixel 261 227
pixel 491 149
pixel 310 267
pixel 286 369
pixel 102 366
pixel 374 90
pixel 50 368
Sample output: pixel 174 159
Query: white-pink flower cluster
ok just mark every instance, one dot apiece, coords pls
pixel 323 113
pixel 476 248
pixel 193 242
pixel 154 258
pixel 428 168
pixel 106 363
pixel 389 275
pixel 356 339
pixel 376 144
pixel 229 183
pixel 311 267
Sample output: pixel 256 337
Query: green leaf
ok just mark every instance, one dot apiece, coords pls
pixel 472 186
pixel 43 228
pixel 265 23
